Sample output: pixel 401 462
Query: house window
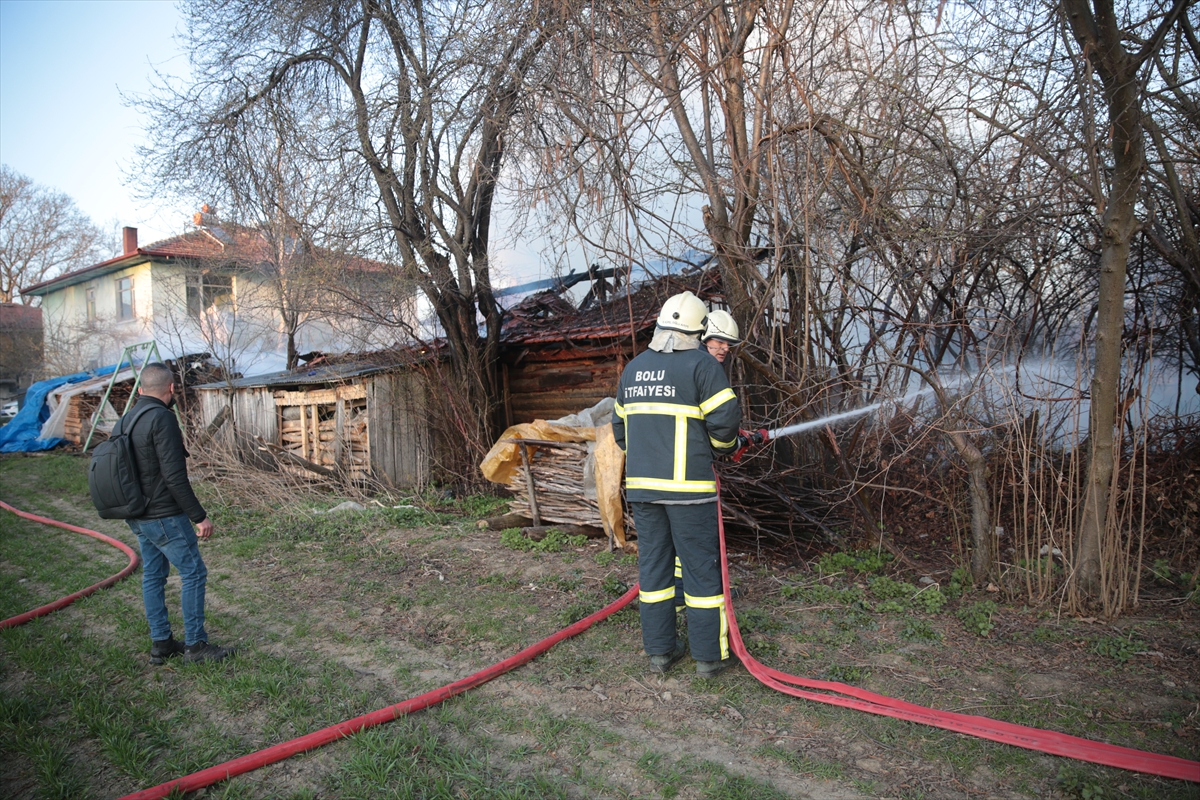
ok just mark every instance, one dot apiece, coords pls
pixel 90 298
pixel 208 291
pixel 124 298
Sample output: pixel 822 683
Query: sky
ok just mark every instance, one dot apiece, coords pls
pixel 63 123
pixel 64 68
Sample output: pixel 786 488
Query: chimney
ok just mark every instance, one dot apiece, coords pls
pixel 129 239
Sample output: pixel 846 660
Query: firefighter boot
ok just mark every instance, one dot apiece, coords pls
pixel 664 662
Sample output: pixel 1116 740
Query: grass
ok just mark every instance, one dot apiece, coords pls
pixel 337 615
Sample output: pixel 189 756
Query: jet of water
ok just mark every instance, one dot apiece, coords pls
pixel 799 427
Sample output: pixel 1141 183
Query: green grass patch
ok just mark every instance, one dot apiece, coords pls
pixel 553 542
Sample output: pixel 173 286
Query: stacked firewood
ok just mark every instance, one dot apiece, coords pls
pixel 558 486
pixel 358 442
pixel 303 433
pixel 82 407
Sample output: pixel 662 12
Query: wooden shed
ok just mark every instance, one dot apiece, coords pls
pixel 365 419
pixel 557 360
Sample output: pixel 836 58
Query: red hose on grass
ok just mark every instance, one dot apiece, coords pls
pixel 844 695
pixel 1044 741
pixel 21 619
pixel 252 761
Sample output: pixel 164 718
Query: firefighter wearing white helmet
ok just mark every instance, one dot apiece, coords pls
pixel 674 410
pixel 720 334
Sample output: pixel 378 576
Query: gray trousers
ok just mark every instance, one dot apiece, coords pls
pixel 689 532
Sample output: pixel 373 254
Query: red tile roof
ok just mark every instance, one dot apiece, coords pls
pixel 224 243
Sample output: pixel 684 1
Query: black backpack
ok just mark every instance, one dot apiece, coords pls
pixel 113 473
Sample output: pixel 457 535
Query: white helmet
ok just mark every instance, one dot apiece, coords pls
pixel 721 325
pixel 683 312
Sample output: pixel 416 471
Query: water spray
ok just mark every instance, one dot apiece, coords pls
pixel 748 439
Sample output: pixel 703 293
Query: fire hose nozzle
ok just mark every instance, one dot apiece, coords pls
pixel 748 439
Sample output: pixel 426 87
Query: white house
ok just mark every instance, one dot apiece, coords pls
pixel 252 302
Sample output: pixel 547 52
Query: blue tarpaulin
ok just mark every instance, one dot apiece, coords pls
pixel 21 434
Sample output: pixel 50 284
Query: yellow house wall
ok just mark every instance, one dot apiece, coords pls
pixel 75 342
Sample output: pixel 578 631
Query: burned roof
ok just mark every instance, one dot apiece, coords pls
pixel 548 317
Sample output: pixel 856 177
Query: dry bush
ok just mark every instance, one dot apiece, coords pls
pixel 261 481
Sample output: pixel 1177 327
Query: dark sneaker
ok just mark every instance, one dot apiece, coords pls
pixel 203 652
pixel 665 662
pixel 711 669
pixel 162 649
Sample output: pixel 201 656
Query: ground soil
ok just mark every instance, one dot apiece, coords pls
pixel 411 616
pixel 601 682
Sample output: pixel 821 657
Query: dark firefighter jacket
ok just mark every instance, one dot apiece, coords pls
pixel 673 411
pixel 159 453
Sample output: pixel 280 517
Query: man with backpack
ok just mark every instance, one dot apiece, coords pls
pixel 164 528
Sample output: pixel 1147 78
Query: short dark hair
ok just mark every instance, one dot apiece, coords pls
pixel 156 377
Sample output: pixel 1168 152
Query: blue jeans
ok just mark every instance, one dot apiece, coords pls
pixel 167 541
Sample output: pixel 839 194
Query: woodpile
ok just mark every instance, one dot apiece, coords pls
pixel 81 407
pixel 327 427
pixel 558 486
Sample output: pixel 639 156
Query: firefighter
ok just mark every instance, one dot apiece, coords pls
pixel 674 410
pixel 720 334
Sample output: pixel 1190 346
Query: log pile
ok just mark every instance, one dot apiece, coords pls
pixel 81 407
pixel 327 427
pixel 558 486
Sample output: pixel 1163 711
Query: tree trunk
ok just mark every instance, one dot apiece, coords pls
pixel 1100 38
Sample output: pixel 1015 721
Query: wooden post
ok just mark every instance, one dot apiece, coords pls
pixel 533 506
pixel 341 454
pixel 315 436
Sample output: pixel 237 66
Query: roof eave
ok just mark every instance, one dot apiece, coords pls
pixel 123 261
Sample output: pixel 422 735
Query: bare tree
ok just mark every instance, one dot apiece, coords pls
pixel 417 97
pixel 1100 34
pixel 287 203
pixel 42 233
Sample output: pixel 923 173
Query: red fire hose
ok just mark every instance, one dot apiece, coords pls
pixel 246 763
pixel 21 619
pixel 845 695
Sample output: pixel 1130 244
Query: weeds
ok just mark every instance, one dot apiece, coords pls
pixel 977 617
pixel 554 541
pixel 1117 648
pixel 1074 785
pixel 919 630
pixel 863 562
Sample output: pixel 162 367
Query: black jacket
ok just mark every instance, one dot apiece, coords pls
pixel 673 411
pixel 161 461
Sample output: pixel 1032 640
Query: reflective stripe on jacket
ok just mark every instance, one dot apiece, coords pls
pixel 673 411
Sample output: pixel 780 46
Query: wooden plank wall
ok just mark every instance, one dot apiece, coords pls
pixel 548 389
pixel 399 431
pixel 210 402
pixel 253 413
